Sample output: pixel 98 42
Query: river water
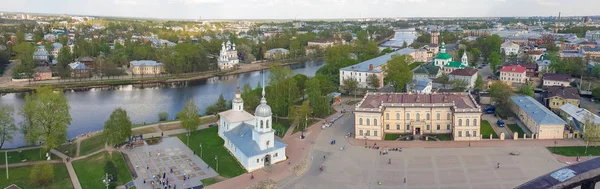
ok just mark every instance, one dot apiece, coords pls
pixel 402 35
pixel 89 109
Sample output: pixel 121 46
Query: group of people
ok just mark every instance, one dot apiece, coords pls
pixel 158 181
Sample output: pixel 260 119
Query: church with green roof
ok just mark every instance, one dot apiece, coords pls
pixel 444 61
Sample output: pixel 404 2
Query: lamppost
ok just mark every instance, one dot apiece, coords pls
pixel 365 140
pixel 106 179
pixel 188 138
pixel 555 143
pixel 200 150
pixel 6 162
pixel 216 159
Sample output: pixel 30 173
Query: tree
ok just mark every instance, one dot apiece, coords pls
pixel 444 79
pixel 459 85
pixel 398 72
pixel 495 61
pixel 42 174
pixel 46 114
pixel 189 116
pixel 478 83
pixel 318 101
pixel 7 124
pixel 476 53
pixel 250 97
pixel 596 92
pixel 301 113
pixel 404 44
pixel 63 60
pixel 350 84
pixel 117 128
pixel 591 130
pixel 500 93
pixel 373 81
pixel 385 51
pixel 527 90
pixel 163 116
pixel 219 106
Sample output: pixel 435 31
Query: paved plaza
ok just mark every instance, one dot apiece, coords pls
pixel 170 154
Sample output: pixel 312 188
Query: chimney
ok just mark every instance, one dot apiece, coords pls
pixel 370 67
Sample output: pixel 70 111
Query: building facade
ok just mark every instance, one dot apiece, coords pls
pixel 538 119
pixel 468 75
pixel 228 57
pixel 457 114
pixel 146 67
pixel 509 48
pixel 513 74
pixel 552 79
pixel 559 95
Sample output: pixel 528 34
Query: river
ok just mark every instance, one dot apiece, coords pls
pixel 89 109
pixel 401 36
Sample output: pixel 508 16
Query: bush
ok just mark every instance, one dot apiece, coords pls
pixel 42 174
pixel 163 116
pixel 110 169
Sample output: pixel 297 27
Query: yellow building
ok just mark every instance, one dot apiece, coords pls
pixel 417 114
pixel 146 67
pixel 538 119
pixel 558 96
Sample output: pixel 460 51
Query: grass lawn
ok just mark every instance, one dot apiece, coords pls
pixel 91 170
pixel 486 130
pixel 91 144
pixel 301 127
pixel 391 136
pixel 69 149
pixel 20 177
pixel 442 137
pixel 281 126
pixel 212 146
pixel 143 131
pixel 211 181
pixel 29 155
pixel 144 124
pixel 516 128
pixel 575 150
pixel 352 102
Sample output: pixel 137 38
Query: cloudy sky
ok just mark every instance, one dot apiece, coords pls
pixel 304 9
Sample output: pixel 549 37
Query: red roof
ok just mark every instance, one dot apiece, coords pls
pixel 515 69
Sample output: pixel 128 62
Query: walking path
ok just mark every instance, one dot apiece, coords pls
pixel 464 144
pixel 32 163
pixel 70 169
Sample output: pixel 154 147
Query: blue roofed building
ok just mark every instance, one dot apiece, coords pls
pixel 577 117
pixel 542 122
pixel 420 86
pixel 251 138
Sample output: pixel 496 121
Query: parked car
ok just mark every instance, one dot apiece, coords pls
pixel 212 124
pixel 489 77
pixel 500 123
pixel 489 110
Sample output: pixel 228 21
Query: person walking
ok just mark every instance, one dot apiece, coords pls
pixel 251 176
pixel 498 165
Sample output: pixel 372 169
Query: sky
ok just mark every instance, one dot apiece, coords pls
pixel 304 9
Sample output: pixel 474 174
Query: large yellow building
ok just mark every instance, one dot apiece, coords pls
pixel 417 114
pixel 558 96
pixel 538 119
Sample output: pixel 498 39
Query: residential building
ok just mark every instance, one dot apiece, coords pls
pixel 56 49
pixel 146 67
pixel 468 75
pixel 457 114
pixel 509 48
pixel 361 71
pixel 427 70
pixel 538 119
pixel 577 117
pixel 554 79
pixel 251 138
pixel 592 35
pixel 277 53
pixel 79 70
pixel 513 74
pixel 40 53
pixel 228 57
pixel 326 42
pixel 88 61
pixel 543 65
pixel 591 52
pixel 420 86
pixel 557 96
pixel 530 69
pixel 42 73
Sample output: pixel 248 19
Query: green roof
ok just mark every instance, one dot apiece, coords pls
pixel 455 64
pixel 427 69
pixel 443 56
pixel 544 57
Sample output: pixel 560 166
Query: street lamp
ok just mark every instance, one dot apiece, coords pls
pixel 200 150
pixel 188 138
pixel 106 179
pixel 216 159
pixel 555 143
pixel 6 162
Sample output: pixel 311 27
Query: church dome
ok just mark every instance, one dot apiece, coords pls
pixel 263 110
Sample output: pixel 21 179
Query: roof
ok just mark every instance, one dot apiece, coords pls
pixel 422 83
pixel 325 40
pixel 557 77
pixel 428 69
pixel 589 49
pixel 145 63
pixel 234 116
pixel 57 45
pixel 277 50
pixel 85 59
pixel 455 64
pixel 515 69
pixel 579 114
pixel 78 66
pixel 536 111
pixel 443 56
pixel 543 62
pixel 464 72
pixel 461 100
pixel 563 92
pixel 241 137
pixel 376 62
pixel 509 44
pixel 42 69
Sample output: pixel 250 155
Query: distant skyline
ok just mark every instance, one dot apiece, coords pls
pixel 304 9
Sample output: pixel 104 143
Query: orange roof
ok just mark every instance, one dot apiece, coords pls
pixel 515 69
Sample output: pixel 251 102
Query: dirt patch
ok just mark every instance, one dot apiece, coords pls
pixel 299 169
pixel 143 131
pixel 264 184
pixel 169 126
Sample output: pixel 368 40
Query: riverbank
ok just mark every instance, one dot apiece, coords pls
pixel 148 81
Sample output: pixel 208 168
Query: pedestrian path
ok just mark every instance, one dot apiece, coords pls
pixel 70 169
pixel 32 163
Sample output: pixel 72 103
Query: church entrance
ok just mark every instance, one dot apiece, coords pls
pixel 267 160
pixel 418 131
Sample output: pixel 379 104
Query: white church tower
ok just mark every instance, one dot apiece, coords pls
pixel 263 132
pixel 237 103
pixel 464 60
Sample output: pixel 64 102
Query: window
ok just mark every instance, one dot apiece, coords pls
pixel 474 133
pixel 261 124
pixel 467 122
pixel 407 116
pixel 360 121
pixel 275 155
pixel 407 127
pixel 387 126
pixel 267 124
pixel 398 116
pixel 448 116
pixel 467 134
pixel 438 127
pixel 374 133
pixel 437 116
pixel 459 122
pixel 428 127
pixel 459 133
pixel 427 116
pixel 397 126
pixel 387 116
pixel 448 127
pixel 375 122
pixel 368 121
pixel 418 116
pixel 368 133
pixel 257 160
pixel 474 122
pixel 360 133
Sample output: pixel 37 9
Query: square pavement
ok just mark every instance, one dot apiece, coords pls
pixel 169 154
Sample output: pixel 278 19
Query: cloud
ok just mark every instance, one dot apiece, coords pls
pixel 547 3
pixel 126 2
pixel 198 1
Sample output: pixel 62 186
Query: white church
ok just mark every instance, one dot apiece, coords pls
pixel 251 138
pixel 228 56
